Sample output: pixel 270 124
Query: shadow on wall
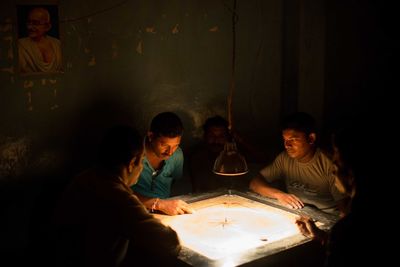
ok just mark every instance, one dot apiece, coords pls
pixel 89 124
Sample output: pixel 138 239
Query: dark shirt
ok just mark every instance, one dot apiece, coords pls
pixel 358 238
pixel 100 222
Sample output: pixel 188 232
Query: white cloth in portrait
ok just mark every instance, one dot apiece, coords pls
pixel 31 58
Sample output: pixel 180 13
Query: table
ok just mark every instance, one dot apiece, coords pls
pixel 232 228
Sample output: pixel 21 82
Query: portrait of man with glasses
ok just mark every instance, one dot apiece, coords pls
pixel 39 48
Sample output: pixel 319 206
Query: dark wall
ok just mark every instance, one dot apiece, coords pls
pixel 125 62
pixel 137 58
pixel 152 56
pixel 360 70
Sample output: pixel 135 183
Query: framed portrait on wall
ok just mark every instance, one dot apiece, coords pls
pixel 38 40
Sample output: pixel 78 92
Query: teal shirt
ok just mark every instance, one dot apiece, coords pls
pixel 158 184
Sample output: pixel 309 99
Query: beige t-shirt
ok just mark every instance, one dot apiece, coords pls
pixel 313 182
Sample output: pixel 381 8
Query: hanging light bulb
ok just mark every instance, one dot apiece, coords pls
pixel 230 162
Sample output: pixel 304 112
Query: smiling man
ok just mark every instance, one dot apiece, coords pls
pixel 307 172
pixel 163 163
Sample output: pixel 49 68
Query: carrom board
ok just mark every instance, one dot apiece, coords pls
pixel 229 230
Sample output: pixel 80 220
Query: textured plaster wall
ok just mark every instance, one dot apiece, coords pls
pixel 124 62
pixel 128 61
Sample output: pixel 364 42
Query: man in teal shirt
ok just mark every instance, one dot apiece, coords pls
pixel 163 163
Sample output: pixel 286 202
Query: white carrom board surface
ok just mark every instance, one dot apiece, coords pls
pixel 224 227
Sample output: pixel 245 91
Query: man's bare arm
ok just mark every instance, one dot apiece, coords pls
pixel 167 206
pixel 260 186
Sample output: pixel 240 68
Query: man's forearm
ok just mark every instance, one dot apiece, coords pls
pixel 149 202
pixel 261 187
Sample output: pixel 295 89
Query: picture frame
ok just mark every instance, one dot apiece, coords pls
pixel 39 47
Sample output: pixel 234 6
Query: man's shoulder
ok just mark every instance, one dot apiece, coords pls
pixel 24 40
pixel 323 153
pixel 282 156
pixel 177 156
pixel 279 161
pixel 53 39
pixel 323 158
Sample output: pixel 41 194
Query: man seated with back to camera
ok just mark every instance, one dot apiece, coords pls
pixel 100 222
pixel 308 174
pixel 162 165
pixel 357 234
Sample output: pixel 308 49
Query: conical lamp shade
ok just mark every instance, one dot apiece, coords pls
pixel 230 162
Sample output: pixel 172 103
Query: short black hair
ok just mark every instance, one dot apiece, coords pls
pixel 119 146
pixel 299 121
pixel 215 121
pixel 166 124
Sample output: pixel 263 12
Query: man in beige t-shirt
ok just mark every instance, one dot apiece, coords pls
pixel 308 174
